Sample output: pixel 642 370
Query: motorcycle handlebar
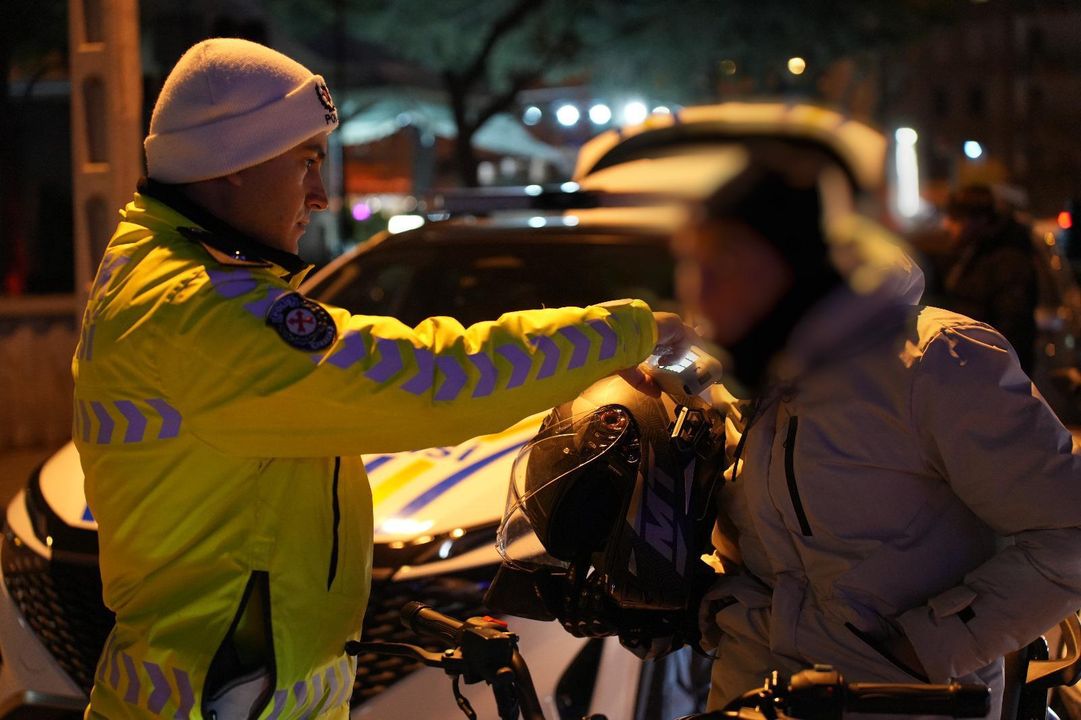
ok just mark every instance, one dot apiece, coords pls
pixel 955 699
pixel 426 622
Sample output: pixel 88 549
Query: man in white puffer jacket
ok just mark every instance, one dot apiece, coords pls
pixel 904 504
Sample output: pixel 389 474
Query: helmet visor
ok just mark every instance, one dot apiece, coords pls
pixel 561 486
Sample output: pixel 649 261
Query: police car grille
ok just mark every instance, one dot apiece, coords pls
pixel 455 596
pixel 62 603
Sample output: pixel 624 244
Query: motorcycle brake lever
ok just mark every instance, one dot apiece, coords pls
pixel 451 661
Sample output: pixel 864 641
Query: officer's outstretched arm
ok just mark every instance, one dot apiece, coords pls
pixel 271 373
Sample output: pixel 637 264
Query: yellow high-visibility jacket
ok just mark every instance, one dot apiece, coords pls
pixel 219 416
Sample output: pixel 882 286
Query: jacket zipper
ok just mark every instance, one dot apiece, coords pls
pixel 337 521
pixel 790 475
pixel 881 650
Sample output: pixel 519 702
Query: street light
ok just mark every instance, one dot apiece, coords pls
pixel 796 65
pixel 568 115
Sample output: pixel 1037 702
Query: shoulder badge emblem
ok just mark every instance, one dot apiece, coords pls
pixel 301 323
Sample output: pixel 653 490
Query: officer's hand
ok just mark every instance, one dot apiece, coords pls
pixel 671 331
pixel 640 381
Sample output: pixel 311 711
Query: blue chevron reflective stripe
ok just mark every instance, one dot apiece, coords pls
pixel 454 377
pixel 134 683
pixel 488 375
pixel 232 283
pixel 581 346
pixel 125 421
pixel 84 419
pixel 108 267
pixel 105 423
pixel 162 691
pixel 450 481
pixel 609 339
pixel 350 352
pixel 520 360
pixel 422 381
pixel 547 346
pixel 390 361
pixel 136 420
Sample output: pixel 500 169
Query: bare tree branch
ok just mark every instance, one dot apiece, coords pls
pixel 510 20
pixel 560 46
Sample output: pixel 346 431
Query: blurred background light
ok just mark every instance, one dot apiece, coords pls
pixel 361 211
pixel 401 223
pixel 568 115
pixel 532 115
pixel 600 114
pixel 907 169
pixel 906 136
pixel 635 112
pixel 797 65
pixel 973 150
pixel 728 67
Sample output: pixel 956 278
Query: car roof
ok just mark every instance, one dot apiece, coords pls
pixel 500 230
pixel 680 138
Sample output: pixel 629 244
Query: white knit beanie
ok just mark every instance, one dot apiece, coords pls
pixel 230 104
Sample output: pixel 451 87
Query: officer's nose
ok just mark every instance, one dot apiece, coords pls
pixel 316 198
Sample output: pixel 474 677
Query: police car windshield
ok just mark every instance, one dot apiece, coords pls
pixel 475 281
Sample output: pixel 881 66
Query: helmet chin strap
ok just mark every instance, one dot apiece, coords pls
pixel 753 355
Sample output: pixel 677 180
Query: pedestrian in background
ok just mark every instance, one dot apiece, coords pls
pixel 991 272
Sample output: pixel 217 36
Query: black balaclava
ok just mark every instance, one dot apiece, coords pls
pixel 789 217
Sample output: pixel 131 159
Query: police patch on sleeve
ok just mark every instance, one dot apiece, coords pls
pixel 302 323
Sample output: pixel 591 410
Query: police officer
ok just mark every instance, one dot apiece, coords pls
pixel 220 414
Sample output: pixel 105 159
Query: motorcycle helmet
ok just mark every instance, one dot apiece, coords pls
pixel 608 514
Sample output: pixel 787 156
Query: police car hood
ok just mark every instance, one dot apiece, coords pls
pixel 417 495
